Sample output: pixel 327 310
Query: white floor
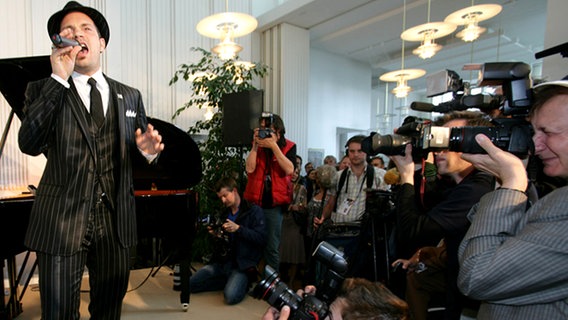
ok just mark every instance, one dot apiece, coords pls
pixel 156 299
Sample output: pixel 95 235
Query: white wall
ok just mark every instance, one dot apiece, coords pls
pixel 149 39
pixel 340 96
pixel 555 67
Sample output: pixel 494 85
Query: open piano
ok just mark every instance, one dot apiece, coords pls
pixel 166 208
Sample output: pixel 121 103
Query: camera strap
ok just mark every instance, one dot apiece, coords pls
pixel 345 206
pixel 267 198
pixel 369 176
pixel 423 182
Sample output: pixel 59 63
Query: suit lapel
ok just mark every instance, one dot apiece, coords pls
pixel 118 100
pixel 80 112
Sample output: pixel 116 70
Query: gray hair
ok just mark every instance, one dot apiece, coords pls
pixel 326 175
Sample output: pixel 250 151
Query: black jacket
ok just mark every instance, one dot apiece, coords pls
pixel 247 244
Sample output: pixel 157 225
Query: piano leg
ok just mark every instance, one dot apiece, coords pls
pixel 185 273
pixel 14 307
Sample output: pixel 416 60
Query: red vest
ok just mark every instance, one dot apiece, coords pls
pixel 281 182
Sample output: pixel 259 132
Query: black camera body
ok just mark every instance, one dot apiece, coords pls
pixel 265 131
pixel 512 134
pixel 277 293
pixel 220 242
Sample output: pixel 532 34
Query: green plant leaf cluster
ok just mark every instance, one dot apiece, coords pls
pixel 210 79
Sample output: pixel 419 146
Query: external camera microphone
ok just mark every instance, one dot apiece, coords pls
pixel 422 106
pixel 61 42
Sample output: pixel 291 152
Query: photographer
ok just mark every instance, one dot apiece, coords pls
pixel 347 203
pixel 358 298
pixel 269 166
pixel 445 220
pixel 236 267
pixel 514 255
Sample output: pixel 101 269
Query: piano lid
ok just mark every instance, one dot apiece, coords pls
pixel 15 75
pixel 179 165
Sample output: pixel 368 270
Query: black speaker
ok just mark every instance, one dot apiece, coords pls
pixel 241 111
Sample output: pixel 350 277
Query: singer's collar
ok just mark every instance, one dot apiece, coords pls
pixel 98 76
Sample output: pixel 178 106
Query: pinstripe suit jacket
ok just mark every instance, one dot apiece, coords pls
pixel 515 259
pixel 55 125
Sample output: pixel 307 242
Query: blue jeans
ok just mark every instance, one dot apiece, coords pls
pixel 213 277
pixel 273 217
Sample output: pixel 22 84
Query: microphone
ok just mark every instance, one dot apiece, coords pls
pixel 422 106
pixel 61 42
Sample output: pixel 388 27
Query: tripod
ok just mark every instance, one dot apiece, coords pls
pixel 375 225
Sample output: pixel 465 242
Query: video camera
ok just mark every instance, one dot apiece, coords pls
pixel 277 293
pixel 266 131
pixel 512 134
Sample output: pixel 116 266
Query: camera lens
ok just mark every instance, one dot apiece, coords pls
pixel 462 139
pixel 389 144
pixel 276 293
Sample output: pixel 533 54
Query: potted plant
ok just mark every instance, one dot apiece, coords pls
pixel 210 79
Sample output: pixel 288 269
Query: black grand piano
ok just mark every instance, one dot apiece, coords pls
pixel 166 208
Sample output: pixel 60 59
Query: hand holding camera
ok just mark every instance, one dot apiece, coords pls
pixel 508 169
pixel 304 305
pixel 265 136
pixel 230 226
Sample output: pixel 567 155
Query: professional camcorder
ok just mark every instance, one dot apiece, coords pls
pixel 266 132
pixel 277 293
pixel 511 133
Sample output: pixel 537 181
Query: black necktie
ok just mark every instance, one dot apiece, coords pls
pixel 97 112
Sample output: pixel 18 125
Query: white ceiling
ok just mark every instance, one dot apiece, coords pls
pixel 369 31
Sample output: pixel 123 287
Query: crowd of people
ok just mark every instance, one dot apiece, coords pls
pixel 476 235
pixel 469 230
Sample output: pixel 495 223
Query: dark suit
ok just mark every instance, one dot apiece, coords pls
pixel 57 124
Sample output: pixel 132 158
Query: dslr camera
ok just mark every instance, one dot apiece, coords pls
pixel 266 131
pixel 511 133
pixel 277 293
pixel 220 243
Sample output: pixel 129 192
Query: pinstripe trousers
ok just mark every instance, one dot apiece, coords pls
pixel 108 265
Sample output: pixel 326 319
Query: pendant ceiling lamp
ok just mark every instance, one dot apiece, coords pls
pixel 470 17
pixel 426 33
pixel 226 27
pixel 402 76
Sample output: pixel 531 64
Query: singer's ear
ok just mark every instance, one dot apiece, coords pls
pixel 103 44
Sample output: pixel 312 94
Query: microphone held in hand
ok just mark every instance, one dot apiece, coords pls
pixel 61 42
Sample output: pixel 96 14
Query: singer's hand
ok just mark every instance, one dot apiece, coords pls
pixel 150 141
pixel 63 59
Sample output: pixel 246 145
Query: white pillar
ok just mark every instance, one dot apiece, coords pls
pixel 286 50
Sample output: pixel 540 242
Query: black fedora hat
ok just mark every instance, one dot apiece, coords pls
pixel 54 22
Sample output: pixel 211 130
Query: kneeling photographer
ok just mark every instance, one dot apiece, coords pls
pixel 233 268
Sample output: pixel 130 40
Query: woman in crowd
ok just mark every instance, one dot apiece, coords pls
pixel 324 180
pixel 292 253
